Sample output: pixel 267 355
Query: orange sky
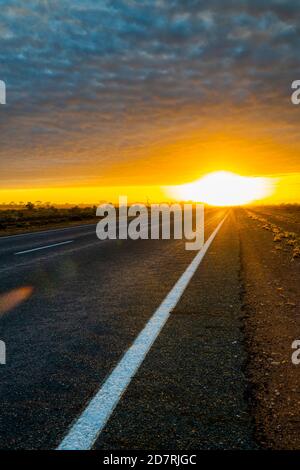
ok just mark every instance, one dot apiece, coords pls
pixel 133 98
pixel 178 161
pixel 286 188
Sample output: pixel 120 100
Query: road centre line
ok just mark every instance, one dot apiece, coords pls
pixel 45 232
pixel 43 247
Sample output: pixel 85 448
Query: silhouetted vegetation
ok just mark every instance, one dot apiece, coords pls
pixel 31 216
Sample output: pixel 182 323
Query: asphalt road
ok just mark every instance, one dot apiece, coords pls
pixel 90 300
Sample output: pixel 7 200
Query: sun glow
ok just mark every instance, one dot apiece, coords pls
pixel 224 188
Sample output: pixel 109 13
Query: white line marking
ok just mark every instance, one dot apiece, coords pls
pixel 45 232
pixel 43 247
pixel 89 425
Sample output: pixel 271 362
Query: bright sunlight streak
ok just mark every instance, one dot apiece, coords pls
pixel 223 188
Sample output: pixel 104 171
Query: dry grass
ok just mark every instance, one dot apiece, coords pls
pixel 26 219
pixel 280 236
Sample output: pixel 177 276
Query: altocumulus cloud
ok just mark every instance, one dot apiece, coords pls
pixel 92 86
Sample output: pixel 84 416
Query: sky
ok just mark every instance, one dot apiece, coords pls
pixel 110 94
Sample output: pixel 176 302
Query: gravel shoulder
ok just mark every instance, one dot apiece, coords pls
pixel 272 322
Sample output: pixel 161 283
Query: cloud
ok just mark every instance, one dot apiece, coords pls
pixel 91 85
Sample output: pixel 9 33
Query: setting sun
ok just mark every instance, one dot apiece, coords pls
pixel 224 188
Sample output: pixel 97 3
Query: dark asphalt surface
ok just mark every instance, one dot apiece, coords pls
pixel 190 391
pixel 90 300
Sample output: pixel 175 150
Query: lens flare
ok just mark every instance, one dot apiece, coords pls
pixel 11 299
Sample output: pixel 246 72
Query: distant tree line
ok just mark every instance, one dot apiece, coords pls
pixel 33 215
